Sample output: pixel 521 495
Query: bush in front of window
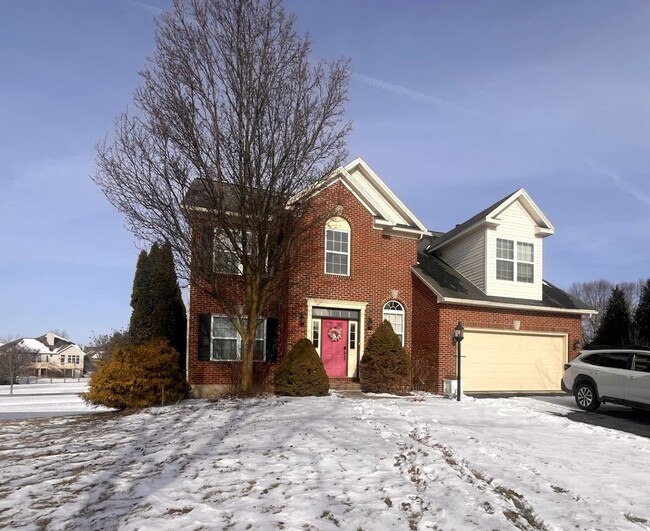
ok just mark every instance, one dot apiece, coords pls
pixel 385 366
pixel 137 376
pixel 301 372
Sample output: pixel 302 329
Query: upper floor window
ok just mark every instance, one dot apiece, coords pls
pixel 226 259
pixel 523 265
pixel 337 247
pixel 394 314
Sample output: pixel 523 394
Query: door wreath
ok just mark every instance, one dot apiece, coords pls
pixel 335 334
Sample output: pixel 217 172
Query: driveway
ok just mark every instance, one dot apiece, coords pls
pixel 611 416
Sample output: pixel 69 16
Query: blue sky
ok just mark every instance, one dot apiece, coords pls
pixel 454 104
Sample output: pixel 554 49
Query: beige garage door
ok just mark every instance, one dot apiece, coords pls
pixel 518 361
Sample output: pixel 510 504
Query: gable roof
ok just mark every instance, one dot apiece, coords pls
pixel 490 217
pixel 387 209
pixel 453 288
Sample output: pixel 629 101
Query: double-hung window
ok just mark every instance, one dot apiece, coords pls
pixel 337 247
pixel 520 266
pixel 226 343
pixel 525 262
pixel 505 259
pixel 226 260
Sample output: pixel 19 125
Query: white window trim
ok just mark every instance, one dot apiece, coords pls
pixel 238 340
pixel 514 261
pixel 348 232
pixel 401 313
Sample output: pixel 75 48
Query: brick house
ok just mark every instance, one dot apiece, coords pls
pixel 375 260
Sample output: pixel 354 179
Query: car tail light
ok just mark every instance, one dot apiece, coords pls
pixel 566 366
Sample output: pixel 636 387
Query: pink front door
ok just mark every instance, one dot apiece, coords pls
pixel 334 349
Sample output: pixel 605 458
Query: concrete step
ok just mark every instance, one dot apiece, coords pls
pixel 345 385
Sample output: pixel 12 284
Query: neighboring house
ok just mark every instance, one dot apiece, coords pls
pixel 54 356
pixel 375 260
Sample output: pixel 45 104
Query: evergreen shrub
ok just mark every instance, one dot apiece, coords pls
pixel 137 376
pixel 301 372
pixel 385 366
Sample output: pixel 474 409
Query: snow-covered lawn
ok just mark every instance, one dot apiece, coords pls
pixel 422 462
pixel 44 399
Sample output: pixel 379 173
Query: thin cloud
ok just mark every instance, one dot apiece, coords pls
pixel 141 5
pixel 412 94
pixel 620 183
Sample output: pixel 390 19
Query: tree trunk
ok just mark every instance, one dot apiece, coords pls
pixel 248 348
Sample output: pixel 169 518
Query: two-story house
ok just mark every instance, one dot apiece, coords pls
pixel 374 260
pixel 54 356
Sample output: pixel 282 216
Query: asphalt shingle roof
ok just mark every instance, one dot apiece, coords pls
pixel 447 282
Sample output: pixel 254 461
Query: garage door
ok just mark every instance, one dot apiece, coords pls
pixel 498 361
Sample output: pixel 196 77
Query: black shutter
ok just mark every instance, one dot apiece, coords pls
pixel 205 333
pixel 271 339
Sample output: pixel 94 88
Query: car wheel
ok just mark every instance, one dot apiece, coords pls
pixel 586 397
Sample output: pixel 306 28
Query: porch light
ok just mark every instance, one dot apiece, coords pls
pixel 369 323
pixel 459 330
pixel 301 319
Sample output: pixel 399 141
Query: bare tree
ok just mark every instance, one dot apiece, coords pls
pixel 594 293
pixel 15 361
pixel 233 119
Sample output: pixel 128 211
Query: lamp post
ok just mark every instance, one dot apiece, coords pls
pixel 458 337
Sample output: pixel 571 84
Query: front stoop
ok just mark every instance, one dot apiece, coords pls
pixel 345 384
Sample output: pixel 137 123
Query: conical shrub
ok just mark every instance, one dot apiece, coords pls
pixel 301 372
pixel 385 366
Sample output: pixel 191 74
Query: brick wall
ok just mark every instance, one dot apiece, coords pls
pixel 379 263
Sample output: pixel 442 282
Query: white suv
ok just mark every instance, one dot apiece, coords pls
pixel 616 375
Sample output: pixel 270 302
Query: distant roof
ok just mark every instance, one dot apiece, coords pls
pixel 40 344
pixel 447 283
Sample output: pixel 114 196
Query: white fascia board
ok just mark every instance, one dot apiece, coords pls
pixel 387 192
pixel 545 227
pixel 489 304
pixel 510 306
pixel 403 232
pixel 368 204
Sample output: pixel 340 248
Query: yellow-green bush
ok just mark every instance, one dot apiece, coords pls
pixel 385 366
pixel 137 376
pixel 301 372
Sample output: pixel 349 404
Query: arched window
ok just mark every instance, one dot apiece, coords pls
pixel 394 314
pixel 337 247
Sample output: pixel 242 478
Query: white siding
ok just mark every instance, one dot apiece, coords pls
pixel 467 256
pixel 371 191
pixel 518 226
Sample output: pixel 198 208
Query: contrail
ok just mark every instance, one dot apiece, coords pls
pixel 413 94
pixel 621 183
pixel 152 9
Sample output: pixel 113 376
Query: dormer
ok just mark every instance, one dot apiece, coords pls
pixel 500 249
